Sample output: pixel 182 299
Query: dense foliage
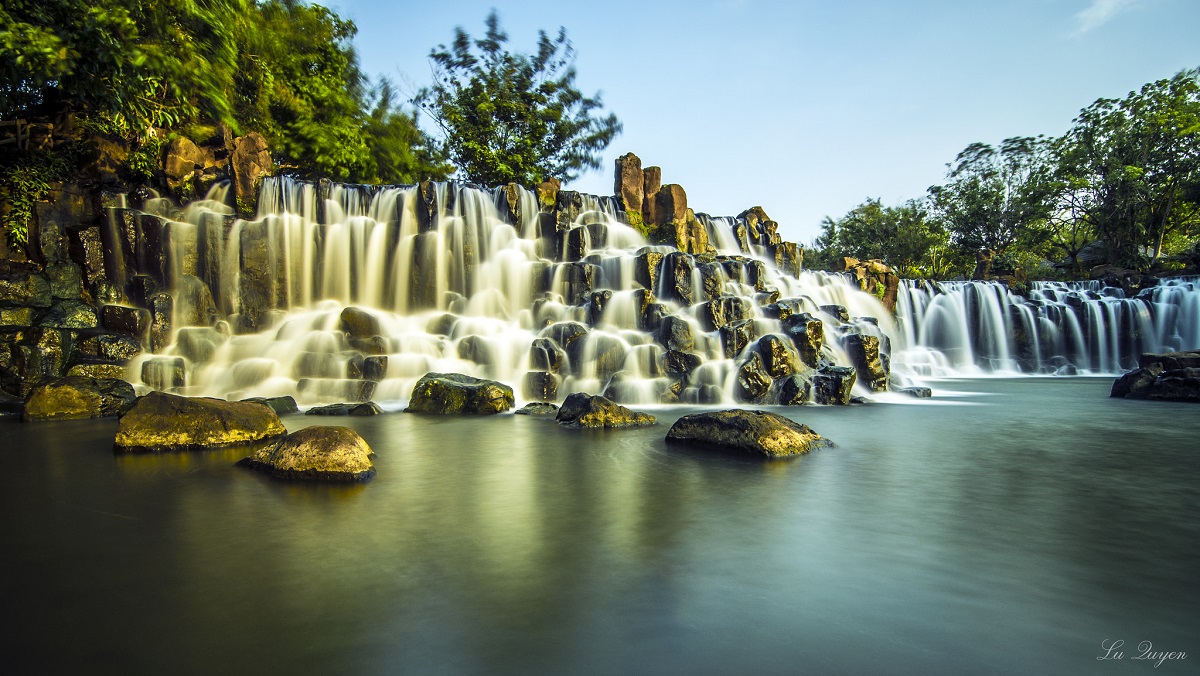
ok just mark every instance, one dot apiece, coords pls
pixel 279 67
pixel 1122 186
pixel 513 117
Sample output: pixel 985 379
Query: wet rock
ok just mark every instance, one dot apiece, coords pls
pixel 161 422
pixel 808 333
pixel 541 386
pixel 1177 385
pixel 29 356
pixel 68 314
pixel 570 336
pixel 750 432
pixel 164 373
pixel 712 280
pixel 677 363
pixel 537 408
pixel 132 320
pixel 724 311
pixel 584 410
pixel 838 312
pixel 446 393
pixel 193 303
pixel 181 160
pixel 358 323
pixel 316 454
pixel 779 355
pixel 354 366
pixel 374 368
pixel 103 370
pixel 597 303
pixel 782 309
pixel 753 382
pixel 676 270
pixel 375 345
pixel 442 325
pixel 73 398
pixel 1171 361
pixel 546 355
pixel 161 311
pixel 1136 384
pixel 646 269
pixel 735 336
pixel 833 384
pixel 363 409
pixel 674 333
pixel 111 347
pixel 916 392
pixel 281 405
pixel 793 390
pixel 474 349
pixel 16 316
pixel 864 355
pixel 66 280
pixel 580 278
pixel 789 258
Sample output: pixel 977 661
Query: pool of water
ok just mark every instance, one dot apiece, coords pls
pixel 1005 526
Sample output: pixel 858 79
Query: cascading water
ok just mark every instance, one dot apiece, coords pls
pixel 436 279
pixel 954 328
pixel 349 293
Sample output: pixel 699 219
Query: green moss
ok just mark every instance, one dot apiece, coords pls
pixel 25 178
pixel 637 223
pixel 145 159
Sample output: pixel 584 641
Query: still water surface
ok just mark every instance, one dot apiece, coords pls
pixel 1007 526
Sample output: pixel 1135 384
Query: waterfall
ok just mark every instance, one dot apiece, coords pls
pixel 954 328
pixel 349 293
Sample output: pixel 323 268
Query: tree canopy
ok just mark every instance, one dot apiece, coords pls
pixel 514 117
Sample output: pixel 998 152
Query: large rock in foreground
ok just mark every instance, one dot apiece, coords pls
pixel 76 397
pixel 166 422
pixel 585 410
pixel 316 454
pixel 1174 376
pixel 458 393
pixel 743 431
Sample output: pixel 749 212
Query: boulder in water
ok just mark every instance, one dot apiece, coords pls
pixel 833 384
pixel 1177 385
pixel 1171 376
pixel 74 398
pixel 744 431
pixel 367 408
pixel 864 354
pixel 281 405
pixel 165 422
pixel 916 392
pixel 538 408
pixel 585 410
pixel 318 454
pixel 446 393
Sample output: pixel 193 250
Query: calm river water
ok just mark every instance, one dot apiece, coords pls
pixel 1006 526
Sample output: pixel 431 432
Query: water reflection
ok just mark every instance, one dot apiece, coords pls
pixel 1043 516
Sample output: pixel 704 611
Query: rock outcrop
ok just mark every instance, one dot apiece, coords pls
pixel 73 398
pixel 161 422
pixel 747 432
pixel 445 393
pixel 1173 376
pixel 316 454
pixel 584 410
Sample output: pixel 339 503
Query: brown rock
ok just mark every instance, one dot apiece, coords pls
pixel 250 161
pixel 166 422
pixel 629 182
pixel 743 431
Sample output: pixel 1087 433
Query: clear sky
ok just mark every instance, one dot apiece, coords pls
pixel 808 108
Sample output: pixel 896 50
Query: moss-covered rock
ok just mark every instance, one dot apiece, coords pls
pixel 538 408
pixel 585 410
pixel 165 422
pixel 457 393
pixel 367 408
pixel 749 432
pixel 316 454
pixel 75 397
pixel 281 405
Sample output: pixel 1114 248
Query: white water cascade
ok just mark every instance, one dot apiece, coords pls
pixel 957 328
pixel 352 293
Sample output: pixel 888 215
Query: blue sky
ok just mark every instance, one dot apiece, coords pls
pixel 808 108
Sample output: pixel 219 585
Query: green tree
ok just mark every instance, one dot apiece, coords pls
pixel 512 117
pixel 903 236
pixel 996 198
pixel 1132 167
pixel 135 64
pixel 401 151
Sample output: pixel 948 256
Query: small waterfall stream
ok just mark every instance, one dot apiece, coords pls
pixel 349 293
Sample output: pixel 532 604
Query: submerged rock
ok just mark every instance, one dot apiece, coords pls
pixel 538 408
pixel 75 397
pixel 281 405
pixel 316 454
pixel 584 410
pixel 457 393
pixel 367 408
pixel 917 392
pixel 166 422
pixel 744 431
pixel 832 385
